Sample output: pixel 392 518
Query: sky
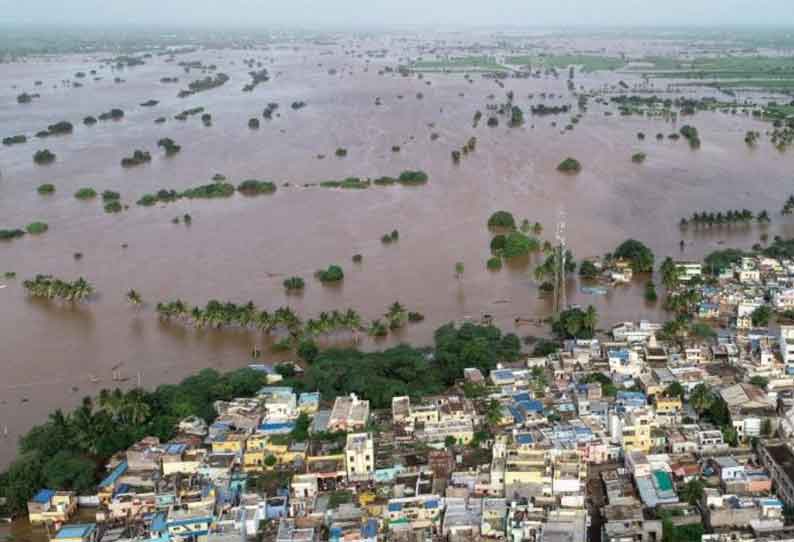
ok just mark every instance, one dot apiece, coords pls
pixel 401 12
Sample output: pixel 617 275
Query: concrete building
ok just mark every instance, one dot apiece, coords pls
pixel 359 456
pixel 778 459
pixel 49 506
pixel 786 341
pixel 349 414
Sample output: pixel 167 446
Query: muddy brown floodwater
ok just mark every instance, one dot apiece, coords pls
pixel 242 248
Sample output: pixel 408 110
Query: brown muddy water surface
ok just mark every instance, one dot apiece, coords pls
pixel 242 248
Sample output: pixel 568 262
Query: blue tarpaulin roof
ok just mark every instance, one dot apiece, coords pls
pixel 43 496
pixel 276 427
pixel 517 415
pixel 121 489
pixel 524 438
pixel 76 530
pixel 175 449
pixel 369 529
pixel 159 522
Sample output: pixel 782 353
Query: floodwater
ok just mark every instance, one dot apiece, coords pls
pixel 242 248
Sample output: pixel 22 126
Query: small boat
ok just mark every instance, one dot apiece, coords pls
pixel 3 286
pixel 593 290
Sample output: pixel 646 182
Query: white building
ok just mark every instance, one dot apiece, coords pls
pixel 635 333
pixel 784 299
pixel 787 346
pixel 688 270
pixel 359 456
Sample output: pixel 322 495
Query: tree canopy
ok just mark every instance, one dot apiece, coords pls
pixel 502 219
pixel 639 256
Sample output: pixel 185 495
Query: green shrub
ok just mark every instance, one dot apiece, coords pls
pixel 494 263
pixel 85 193
pixel 252 187
pixel 517 244
pixel 570 165
pixel 294 284
pixel 334 273
pixel 35 228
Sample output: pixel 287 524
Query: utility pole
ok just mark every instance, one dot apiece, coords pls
pixel 560 295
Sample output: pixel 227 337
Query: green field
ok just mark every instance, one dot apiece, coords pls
pixel 779 111
pixel 457 63
pixel 723 67
pixel 761 84
pixel 588 63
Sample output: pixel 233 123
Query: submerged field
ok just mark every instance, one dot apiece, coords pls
pixel 311 215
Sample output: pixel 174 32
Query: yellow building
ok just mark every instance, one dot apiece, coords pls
pixel 528 467
pixel 259 447
pixel 669 406
pixel 636 431
pixel 49 506
pixel 230 443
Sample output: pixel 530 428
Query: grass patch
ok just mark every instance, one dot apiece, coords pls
pixel 588 63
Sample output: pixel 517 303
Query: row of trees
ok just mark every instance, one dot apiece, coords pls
pixel 216 314
pixel 51 287
pixel 732 216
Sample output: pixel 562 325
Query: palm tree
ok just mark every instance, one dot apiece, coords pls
pixel 493 412
pixel 136 409
pixel 701 398
pixel 573 326
pixel 134 298
pixel 377 329
pixel 692 492
pixel 396 315
pixel 85 427
pixel 264 321
pixel 590 319
pixel 352 320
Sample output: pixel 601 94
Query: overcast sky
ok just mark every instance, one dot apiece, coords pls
pixel 401 12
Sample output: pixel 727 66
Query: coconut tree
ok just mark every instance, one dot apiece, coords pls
pixel 135 407
pixel 377 329
pixel 352 321
pixel 590 319
pixel 134 298
pixel 701 398
pixel 396 315
pixel 84 426
pixel 264 321
pixel 493 412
